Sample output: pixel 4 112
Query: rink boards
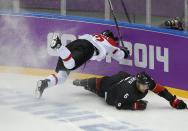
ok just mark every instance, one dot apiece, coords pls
pixel 159 52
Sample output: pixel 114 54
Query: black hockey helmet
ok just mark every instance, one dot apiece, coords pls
pixel 145 79
pixel 109 33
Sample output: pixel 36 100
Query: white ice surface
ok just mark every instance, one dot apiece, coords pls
pixel 20 111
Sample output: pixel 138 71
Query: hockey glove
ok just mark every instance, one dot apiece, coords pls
pixel 139 105
pixel 126 52
pixel 178 104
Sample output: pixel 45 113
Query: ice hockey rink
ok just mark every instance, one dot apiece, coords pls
pixel 154 32
pixel 71 108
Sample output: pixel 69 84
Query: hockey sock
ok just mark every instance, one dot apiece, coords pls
pixel 58 78
pixel 66 56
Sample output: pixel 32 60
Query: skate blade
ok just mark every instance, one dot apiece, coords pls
pixel 37 92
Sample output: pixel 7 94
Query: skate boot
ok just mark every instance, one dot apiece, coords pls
pixel 83 83
pixel 41 86
pixel 91 84
pixel 88 84
pixel 56 42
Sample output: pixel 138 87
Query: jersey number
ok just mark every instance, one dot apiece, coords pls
pixel 99 38
pixel 126 96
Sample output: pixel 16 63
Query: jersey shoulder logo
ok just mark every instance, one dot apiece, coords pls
pixel 131 80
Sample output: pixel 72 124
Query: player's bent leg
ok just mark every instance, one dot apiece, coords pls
pixel 76 53
pixel 71 57
pixel 91 84
pixel 96 85
pixel 81 51
pixel 63 52
pixel 66 57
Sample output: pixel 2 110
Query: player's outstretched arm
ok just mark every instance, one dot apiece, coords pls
pixel 137 105
pixel 174 101
pixel 120 53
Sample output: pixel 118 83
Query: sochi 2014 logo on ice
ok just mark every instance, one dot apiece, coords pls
pixel 141 55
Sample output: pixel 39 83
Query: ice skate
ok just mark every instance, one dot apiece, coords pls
pixel 41 86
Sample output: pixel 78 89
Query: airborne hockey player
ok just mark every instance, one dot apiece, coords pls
pixel 125 91
pixel 78 52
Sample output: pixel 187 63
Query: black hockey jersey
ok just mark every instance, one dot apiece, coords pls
pixel 124 92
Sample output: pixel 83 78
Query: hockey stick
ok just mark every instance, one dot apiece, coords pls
pixel 126 12
pixel 116 23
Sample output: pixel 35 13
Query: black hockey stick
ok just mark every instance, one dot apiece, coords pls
pixel 116 23
pixel 126 12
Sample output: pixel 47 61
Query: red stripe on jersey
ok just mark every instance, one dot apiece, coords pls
pixel 68 58
pixel 112 42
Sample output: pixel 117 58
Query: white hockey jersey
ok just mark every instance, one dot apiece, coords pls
pixel 105 45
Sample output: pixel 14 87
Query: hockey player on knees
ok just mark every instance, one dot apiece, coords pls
pixel 125 91
pixel 78 52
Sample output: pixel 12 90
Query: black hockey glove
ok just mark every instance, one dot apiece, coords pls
pixel 139 105
pixel 178 104
pixel 126 52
